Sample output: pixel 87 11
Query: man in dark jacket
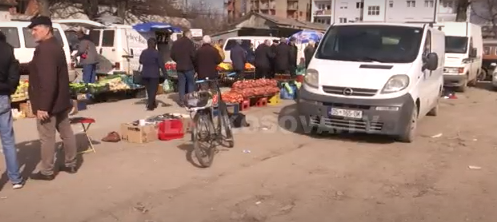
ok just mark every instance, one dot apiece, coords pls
pixel 9 79
pixel 238 58
pixel 273 60
pixel 50 98
pixel 263 57
pixel 87 52
pixel 309 52
pixel 152 64
pixel 206 60
pixel 183 53
pixel 292 63
pixel 282 57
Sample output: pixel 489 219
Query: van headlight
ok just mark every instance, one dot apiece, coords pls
pixel 312 78
pixel 395 84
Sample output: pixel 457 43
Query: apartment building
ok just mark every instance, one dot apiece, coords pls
pixel 294 9
pixel 343 11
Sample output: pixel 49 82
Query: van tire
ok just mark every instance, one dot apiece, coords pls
pixel 410 130
pixel 473 82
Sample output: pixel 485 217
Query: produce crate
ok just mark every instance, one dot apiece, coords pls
pixel 274 100
pixel 18 97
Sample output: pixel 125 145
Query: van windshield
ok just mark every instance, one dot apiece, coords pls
pixel 456 44
pixel 379 43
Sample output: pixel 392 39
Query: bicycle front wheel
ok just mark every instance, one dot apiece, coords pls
pixel 224 125
pixel 203 142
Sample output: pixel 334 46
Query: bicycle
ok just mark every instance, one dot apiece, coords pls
pixel 204 129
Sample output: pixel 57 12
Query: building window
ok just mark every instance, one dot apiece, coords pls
pixel 373 10
pixel 486 50
pixel 390 4
pixel 343 20
pixel 359 5
pixel 411 3
pixel 429 3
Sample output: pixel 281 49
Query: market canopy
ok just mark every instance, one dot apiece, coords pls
pixel 152 26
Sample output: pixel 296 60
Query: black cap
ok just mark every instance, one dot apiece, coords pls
pixel 40 20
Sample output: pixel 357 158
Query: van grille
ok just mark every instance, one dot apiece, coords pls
pixel 347 124
pixel 355 91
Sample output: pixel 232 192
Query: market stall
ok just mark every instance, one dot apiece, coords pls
pixel 225 70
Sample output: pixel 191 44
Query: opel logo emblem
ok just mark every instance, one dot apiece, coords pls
pixel 348 91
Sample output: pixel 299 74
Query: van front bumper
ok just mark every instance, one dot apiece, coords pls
pixel 379 116
pixel 454 80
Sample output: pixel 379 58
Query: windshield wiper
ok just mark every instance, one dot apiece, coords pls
pixel 370 59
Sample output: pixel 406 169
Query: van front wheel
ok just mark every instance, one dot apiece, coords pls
pixel 410 130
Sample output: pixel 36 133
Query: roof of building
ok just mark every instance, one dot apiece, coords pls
pixel 284 22
pixel 8 2
pixel 293 22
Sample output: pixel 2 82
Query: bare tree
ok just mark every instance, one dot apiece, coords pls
pixel 486 10
pixel 462 9
pixel 204 17
pixel 44 7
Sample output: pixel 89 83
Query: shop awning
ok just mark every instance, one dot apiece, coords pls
pixel 151 26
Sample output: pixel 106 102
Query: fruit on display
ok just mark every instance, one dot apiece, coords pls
pixel 115 84
pixel 21 92
pixel 249 66
pixel 259 87
pixel 224 66
pixel 232 97
pixel 78 87
pixel 170 66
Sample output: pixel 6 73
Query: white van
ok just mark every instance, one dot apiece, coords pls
pixel 245 43
pixel 376 78
pixel 19 36
pixel 463 54
pixel 120 46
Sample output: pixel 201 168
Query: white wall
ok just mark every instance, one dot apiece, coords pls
pixel 405 11
pixel 346 10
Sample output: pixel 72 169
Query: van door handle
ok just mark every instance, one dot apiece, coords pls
pixel 100 51
pixel 113 50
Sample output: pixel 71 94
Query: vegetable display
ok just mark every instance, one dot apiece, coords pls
pixel 258 87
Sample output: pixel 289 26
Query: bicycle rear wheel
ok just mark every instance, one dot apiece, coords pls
pixel 203 144
pixel 224 125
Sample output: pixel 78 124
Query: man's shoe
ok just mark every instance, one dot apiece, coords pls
pixel 71 170
pixel 40 176
pixel 19 185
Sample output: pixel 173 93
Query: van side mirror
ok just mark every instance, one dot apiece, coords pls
pixel 472 53
pixel 431 61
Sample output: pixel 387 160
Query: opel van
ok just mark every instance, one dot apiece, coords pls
pixel 374 78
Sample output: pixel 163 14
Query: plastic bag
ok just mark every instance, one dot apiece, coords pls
pixel 167 86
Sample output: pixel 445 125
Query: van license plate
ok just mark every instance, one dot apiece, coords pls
pixel 356 114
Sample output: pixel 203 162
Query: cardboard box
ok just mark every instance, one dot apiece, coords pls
pixel 187 124
pixel 139 134
pixel 26 109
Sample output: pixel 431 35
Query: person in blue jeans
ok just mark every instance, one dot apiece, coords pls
pixel 9 80
pixel 87 52
pixel 183 53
